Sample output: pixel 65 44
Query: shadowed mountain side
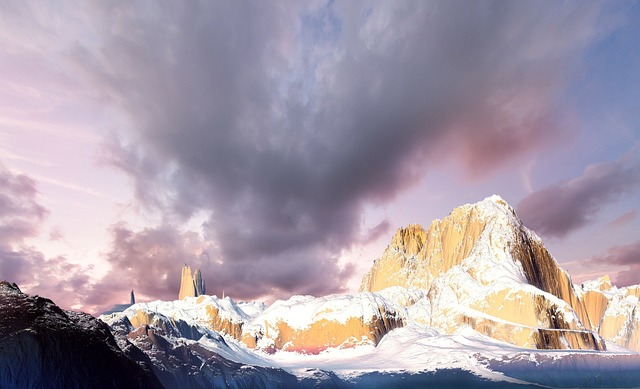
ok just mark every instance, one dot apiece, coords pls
pixel 42 346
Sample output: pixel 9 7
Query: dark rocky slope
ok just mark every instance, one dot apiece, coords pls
pixel 43 346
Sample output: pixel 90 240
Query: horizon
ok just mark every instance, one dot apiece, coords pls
pixel 270 143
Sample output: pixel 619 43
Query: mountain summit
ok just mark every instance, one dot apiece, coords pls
pixel 483 268
pixel 477 268
pixel 474 298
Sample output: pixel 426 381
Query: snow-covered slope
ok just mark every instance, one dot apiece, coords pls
pixel 483 268
pixel 476 291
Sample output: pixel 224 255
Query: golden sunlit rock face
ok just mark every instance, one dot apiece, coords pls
pixel 484 269
pixel 614 312
pixel 313 325
pixel 479 267
pixel 191 284
pixel 416 256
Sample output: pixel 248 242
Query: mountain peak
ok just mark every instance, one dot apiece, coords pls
pixel 445 243
pixel 483 258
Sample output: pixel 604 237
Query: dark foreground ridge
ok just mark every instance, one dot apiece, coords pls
pixel 43 346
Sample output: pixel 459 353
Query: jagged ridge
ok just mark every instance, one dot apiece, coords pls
pixel 508 284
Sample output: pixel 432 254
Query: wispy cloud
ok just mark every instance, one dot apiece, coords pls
pixel 70 186
pixel 21 217
pixel 315 111
pixel 560 209
pixel 627 255
pixel 623 219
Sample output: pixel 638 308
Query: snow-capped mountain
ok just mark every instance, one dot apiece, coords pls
pixel 615 312
pixel 474 290
pixel 475 300
pixel 481 267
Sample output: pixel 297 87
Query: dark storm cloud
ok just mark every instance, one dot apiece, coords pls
pixel 282 120
pixel 567 206
pixel 150 262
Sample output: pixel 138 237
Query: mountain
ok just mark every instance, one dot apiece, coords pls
pixel 475 299
pixel 483 268
pixel 43 346
pixel 614 312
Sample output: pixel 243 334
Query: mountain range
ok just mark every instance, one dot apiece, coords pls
pixel 474 300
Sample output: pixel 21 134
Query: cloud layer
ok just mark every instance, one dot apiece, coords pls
pixel 627 255
pixel 559 209
pixel 282 121
pixel 21 215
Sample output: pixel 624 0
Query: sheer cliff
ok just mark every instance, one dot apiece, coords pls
pixel 191 284
pixel 483 268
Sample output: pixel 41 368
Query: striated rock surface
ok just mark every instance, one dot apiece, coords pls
pixel 311 325
pixel 191 284
pixel 483 268
pixel 43 346
pixel 615 312
pixel 198 283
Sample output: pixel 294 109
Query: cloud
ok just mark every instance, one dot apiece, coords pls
pixel 21 216
pixel 150 261
pixel 627 255
pixel 381 229
pixel 622 255
pixel 562 208
pixel 20 212
pixel 623 219
pixel 283 121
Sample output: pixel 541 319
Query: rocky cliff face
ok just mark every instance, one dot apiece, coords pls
pixel 479 267
pixel 191 284
pixel 614 312
pixel 303 324
pixel 42 346
pixel 311 325
pixel 483 268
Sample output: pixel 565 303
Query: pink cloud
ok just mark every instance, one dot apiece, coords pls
pixel 567 206
pixel 623 219
pixel 626 255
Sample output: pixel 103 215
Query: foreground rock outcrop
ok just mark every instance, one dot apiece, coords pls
pixel 43 346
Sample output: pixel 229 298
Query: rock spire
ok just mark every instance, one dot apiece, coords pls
pixel 191 284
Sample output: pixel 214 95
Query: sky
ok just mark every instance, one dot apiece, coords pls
pixel 278 145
